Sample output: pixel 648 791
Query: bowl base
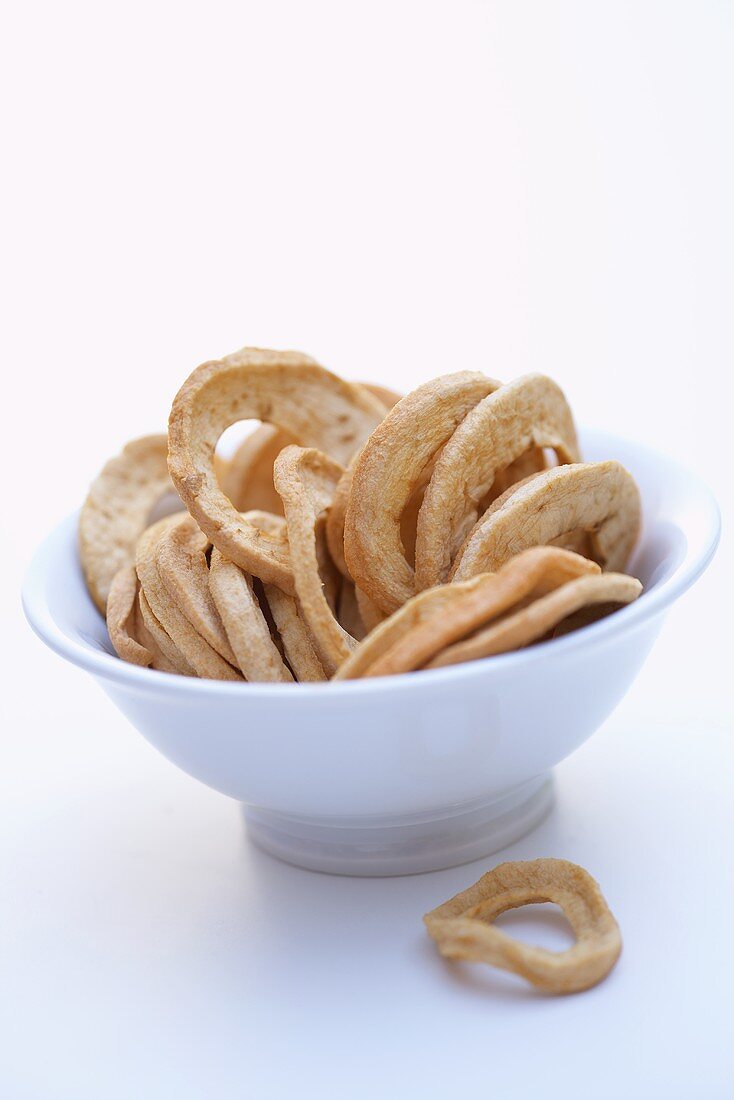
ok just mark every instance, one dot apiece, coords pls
pixel 406 845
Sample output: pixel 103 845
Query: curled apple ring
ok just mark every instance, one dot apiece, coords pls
pixel 600 498
pixel 386 474
pixel 463 927
pixel 286 389
pixel 520 417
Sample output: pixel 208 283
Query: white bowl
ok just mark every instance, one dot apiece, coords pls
pixel 405 773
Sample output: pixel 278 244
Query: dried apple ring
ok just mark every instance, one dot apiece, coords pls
pixel 197 652
pixel 348 612
pixel 463 926
pixel 268 522
pixel 598 497
pixel 528 576
pixel 168 656
pixel 245 623
pixel 531 623
pixel 117 509
pixel 248 481
pixel 306 480
pixel 184 570
pixel 121 607
pixel 286 389
pixel 337 514
pixel 386 475
pixel 529 463
pixel 526 414
pixel 369 611
pixel 383 635
pixel 294 636
pixel 387 397
pixel 270 530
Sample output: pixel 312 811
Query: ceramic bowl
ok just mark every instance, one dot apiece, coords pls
pixel 408 773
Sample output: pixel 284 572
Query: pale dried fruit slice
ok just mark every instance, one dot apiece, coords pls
pixel 117 510
pixel 506 427
pixel 386 396
pixel 531 462
pixel 348 612
pixel 197 652
pixel 268 532
pixel 386 475
pixel 184 570
pixel 337 514
pixel 246 626
pixel 306 480
pixel 463 927
pixel 167 656
pixel 598 497
pixel 268 522
pixel 388 632
pixel 338 508
pixel 248 481
pixel 221 466
pixel 528 576
pixel 335 518
pixel 521 628
pixel 369 612
pixel 286 389
pixel 294 636
pixel 121 607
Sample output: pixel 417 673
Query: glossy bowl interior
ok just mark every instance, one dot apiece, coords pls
pixel 406 773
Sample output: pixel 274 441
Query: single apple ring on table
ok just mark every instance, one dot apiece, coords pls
pixel 598 497
pixel 508 426
pixel 463 927
pixel 197 652
pixel 122 603
pixel 530 624
pixel 245 623
pixel 117 509
pixel 286 389
pixel 295 636
pixel 306 480
pixel 386 474
pixel 468 606
pixel 184 570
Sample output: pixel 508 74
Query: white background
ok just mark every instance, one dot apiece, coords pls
pixel 400 190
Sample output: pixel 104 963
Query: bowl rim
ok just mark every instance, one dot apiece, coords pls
pixel 112 668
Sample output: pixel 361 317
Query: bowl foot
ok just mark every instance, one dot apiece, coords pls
pixel 405 845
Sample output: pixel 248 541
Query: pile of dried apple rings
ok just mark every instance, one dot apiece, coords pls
pixel 355 533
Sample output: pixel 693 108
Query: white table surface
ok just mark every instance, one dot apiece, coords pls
pixel 400 190
pixel 152 951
